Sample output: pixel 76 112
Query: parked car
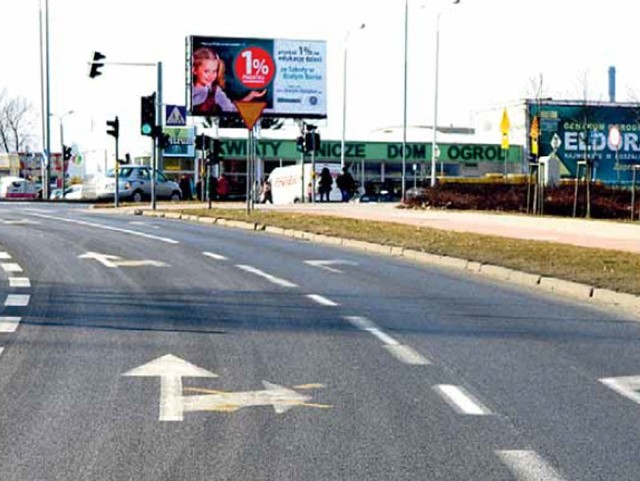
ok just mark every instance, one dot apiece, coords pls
pixel 135 185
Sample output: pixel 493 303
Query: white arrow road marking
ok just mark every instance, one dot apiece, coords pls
pixel 281 398
pixel 528 466
pixel 269 277
pixel 461 400
pixel 108 227
pixel 325 264
pixel 628 386
pixel 109 260
pixel 19 282
pixel 9 324
pixel 217 257
pixel 170 369
pixel 323 301
pixel 4 255
pixel 19 300
pixel 11 267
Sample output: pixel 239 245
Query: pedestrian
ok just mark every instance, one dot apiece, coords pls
pixel 346 184
pixel 265 192
pixel 185 187
pixel 223 187
pixel 213 187
pixel 324 184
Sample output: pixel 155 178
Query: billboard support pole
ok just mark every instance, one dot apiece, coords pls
pixel 633 191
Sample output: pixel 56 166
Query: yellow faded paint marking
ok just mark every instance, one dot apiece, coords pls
pixel 310 386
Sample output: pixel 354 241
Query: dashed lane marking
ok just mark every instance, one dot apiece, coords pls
pixel 528 466
pixel 401 352
pixel 461 400
pixel 9 324
pixel 273 279
pixel 323 301
pixel 11 267
pixel 18 300
pixel 19 282
pixel 215 256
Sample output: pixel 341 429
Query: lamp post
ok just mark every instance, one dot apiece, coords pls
pixel 434 143
pixel 62 169
pixel 404 115
pixel 344 96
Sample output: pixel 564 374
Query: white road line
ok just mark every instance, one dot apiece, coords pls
pixel 1 350
pixel 11 267
pixel 628 386
pixel 528 466
pixel 111 228
pixel 9 324
pixel 217 257
pixel 323 301
pixel 401 352
pixel 269 277
pixel 407 355
pixel 461 400
pixel 19 282
pixel 385 338
pixel 361 323
pixel 19 300
pixel 4 255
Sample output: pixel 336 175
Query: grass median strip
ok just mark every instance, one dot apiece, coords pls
pixel 615 270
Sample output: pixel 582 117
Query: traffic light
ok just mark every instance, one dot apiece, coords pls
pixel 113 127
pixel 147 114
pixel 163 138
pixel 216 150
pixel 311 142
pixel 66 152
pixel 201 142
pixel 300 144
pixel 96 65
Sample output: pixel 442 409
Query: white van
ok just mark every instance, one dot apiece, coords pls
pixel 17 188
pixel 289 187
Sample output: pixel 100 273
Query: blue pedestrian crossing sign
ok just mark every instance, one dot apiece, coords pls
pixel 175 115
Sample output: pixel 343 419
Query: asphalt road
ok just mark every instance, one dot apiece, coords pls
pixel 201 352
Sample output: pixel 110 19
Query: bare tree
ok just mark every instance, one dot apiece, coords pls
pixel 16 123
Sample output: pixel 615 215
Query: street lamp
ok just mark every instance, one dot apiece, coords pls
pixel 434 143
pixel 62 169
pixel 344 96
pixel 404 121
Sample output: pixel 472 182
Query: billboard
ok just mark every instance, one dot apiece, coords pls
pixel 288 75
pixel 606 133
pixel 181 142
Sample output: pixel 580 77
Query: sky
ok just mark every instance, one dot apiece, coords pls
pixel 491 53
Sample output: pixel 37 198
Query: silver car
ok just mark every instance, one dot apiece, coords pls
pixel 135 184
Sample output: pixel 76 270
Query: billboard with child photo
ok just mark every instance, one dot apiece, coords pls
pixel 288 75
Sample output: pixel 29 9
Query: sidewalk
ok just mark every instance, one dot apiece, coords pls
pixel 580 232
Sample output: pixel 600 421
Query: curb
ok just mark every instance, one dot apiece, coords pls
pixel 627 302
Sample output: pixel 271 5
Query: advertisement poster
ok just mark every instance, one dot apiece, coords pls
pixel 288 75
pixel 606 134
pixel 182 142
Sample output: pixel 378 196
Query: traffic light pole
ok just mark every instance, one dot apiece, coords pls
pixel 116 201
pixel 157 158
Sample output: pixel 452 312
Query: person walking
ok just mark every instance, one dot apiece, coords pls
pixel 346 184
pixel 325 183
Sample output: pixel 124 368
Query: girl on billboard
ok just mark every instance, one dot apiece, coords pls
pixel 207 94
